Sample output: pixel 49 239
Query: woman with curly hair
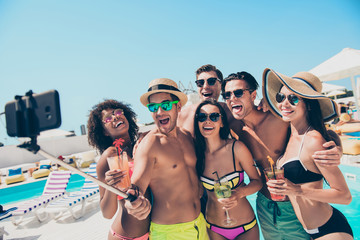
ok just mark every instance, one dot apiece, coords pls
pixel 108 121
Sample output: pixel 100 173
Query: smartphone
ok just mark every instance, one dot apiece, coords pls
pixel 29 115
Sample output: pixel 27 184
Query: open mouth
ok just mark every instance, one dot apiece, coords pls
pixel 208 128
pixel 286 112
pixel 207 95
pixel 164 121
pixel 237 108
pixel 118 124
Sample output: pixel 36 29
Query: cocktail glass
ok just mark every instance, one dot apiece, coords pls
pixel 275 174
pixel 116 162
pixel 222 189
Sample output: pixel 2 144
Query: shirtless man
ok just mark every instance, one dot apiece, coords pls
pixel 208 82
pixel 266 135
pixel 165 161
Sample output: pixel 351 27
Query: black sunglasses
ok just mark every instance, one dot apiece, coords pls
pixel 293 99
pixel 237 93
pixel 210 82
pixel 202 117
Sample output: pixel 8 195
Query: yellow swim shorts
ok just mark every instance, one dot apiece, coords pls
pixel 195 229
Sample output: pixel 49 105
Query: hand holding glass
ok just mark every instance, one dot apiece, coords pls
pixel 275 174
pixel 120 163
pixel 223 190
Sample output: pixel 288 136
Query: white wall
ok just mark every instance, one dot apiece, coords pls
pixel 12 155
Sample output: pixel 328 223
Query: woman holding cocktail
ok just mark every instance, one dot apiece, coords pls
pixel 112 121
pixel 299 101
pixel 221 163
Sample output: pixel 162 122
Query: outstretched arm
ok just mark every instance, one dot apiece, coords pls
pixel 143 168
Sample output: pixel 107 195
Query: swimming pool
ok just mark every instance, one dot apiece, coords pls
pixel 353 134
pixel 30 190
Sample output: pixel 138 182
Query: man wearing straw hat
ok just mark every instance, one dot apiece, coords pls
pixel 165 161
pixel 266 135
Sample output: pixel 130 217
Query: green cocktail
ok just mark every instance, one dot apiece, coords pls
pixel 223 190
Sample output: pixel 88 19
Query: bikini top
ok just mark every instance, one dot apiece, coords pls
pixel 295 170
pixel 235 178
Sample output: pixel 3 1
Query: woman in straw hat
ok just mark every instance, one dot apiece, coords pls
pixel 228 159
pixel 298 100
pixel 108 121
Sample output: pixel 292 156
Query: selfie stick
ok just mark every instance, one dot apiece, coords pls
pixel 33 147
pixel 28 127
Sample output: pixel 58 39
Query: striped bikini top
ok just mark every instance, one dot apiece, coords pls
pixel 235 178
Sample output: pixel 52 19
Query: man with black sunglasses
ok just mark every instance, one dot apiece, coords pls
pixel 266 135
pixel 208 82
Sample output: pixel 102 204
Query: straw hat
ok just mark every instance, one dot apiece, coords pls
pixel 165 85
pixel 304 84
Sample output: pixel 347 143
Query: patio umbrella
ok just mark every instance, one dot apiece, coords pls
pixel 345 64
pixel 327 88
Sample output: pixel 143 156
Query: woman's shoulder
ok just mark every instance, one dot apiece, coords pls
pixel 238 145
pixel 314 140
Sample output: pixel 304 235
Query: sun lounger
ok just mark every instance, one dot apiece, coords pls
pixel 6 213
pixel 54 189
pixel 77 199
pixel 14 176
pixel 43 170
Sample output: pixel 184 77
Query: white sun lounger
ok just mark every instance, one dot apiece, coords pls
pixel 54 189
pixel 77 199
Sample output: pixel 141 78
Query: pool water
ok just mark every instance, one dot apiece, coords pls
pixel 353 134
pixel 34 189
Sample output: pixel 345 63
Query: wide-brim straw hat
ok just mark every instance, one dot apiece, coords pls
pixel 163 85
pixel 304 84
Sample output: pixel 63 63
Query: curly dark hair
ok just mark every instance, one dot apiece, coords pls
pixel 96 136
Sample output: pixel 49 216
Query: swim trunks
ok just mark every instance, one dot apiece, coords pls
pixel 336 223
pixel 278 220
pixel 195 229
pixel 118 236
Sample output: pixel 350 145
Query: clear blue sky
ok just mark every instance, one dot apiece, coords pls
pixel 92 50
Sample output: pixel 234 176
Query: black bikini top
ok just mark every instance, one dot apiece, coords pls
pixel 295 170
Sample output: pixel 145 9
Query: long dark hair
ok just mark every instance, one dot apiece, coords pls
pixel 315 118
pixel 199 140
pixel 96 136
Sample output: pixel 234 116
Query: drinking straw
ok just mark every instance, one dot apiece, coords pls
pixel 217 175
pixel 272 163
